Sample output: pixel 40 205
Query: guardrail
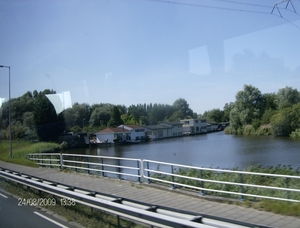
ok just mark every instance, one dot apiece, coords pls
pixel 234 183
pixel 153 215
pixel 147 214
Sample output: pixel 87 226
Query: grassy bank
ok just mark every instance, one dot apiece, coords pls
pixel 20 149
pixel 276 206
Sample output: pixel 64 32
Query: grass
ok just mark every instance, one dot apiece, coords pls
pixel 275 206
pixel 20 150
pixel 280 207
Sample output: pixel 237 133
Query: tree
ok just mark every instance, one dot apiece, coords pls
pixel 128 119
pixel 136 111
pixel 286 120
pixel 287 97
pixel 181 109
pixel 271 101
pixel 215 115
pixel 281 124
pixel 235 120
pixel 49 125
pixel 78 115
pixel 226 114
pixel 115 119
pixel 159 112
pixel 249 105
pixel 100 116
pixel 266 118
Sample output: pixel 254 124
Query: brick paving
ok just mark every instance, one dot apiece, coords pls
pixel 158 195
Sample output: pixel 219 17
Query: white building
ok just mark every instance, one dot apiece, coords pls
pixel 176 129
pixel 212 126
pixel 136 132
pixel 164 130
pixel 194 126
pixel 112 135
pixel 128 133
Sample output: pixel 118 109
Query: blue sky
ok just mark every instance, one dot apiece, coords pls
pixel 138 51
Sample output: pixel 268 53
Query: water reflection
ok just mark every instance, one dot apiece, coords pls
pixel 215 150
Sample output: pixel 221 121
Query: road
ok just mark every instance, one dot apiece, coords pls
pixel 14 213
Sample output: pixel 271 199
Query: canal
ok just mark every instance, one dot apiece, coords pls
pixel 215 150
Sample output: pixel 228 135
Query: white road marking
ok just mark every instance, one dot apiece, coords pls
pixel 50 220
pixel 3 196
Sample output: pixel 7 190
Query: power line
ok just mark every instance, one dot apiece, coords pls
pixel 236 9
pixel 242 3
pixel 287 4
pixel 211 7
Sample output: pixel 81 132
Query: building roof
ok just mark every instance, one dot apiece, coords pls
pixel 113 130
pixel 174 123
pixel 158 127
pixel 192 119
pixel 132 126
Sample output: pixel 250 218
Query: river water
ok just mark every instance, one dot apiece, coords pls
pixel 215 150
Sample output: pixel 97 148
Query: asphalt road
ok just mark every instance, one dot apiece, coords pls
pixel 15 213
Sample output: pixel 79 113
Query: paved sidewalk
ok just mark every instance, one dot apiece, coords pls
pixel 149 193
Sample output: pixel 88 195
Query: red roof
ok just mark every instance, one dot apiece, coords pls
pixel 112 130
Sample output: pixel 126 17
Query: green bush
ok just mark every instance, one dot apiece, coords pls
pixel 249 130
pixel 240 130
pixel 295 134
pixel 256 123
pixel 281 124
pixel 229 130
pixel 264 130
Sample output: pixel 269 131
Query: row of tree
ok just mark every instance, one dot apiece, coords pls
pixel 257 113
pixel 33 116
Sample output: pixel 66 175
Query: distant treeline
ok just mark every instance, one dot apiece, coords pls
pixel 33 116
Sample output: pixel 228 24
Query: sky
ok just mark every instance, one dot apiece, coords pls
pixel 149 51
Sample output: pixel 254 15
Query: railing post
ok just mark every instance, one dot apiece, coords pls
pixel 75 164
pixel 118 221
pixel 173 186
pixel 149 181
pixel 119 169
pixel 139 173
pixel 287 182
pixel 88 164
pixel 102 167
pixel 242 188
pixel 61 161
pixel 50 161
pixel 202 182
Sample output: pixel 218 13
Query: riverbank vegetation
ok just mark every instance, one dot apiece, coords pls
pixel 276 206
pixel 254 113
pixel 20 150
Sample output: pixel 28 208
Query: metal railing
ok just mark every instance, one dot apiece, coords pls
pixel 224 182
pixel 233 183
pixel 115 167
